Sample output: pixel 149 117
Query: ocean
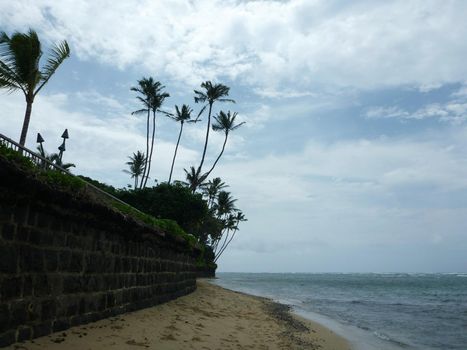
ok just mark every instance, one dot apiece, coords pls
pixel 373 311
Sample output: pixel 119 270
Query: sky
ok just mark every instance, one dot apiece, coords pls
pixel 353 157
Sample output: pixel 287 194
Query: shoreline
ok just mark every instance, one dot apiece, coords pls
pixel 210 318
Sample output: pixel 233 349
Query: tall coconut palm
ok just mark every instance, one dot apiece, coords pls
pixel 157 99
pixel 151 96
pixel 145 90
pixel 212 93
pixel 224 122
pixel 181 115
pixel 20 70
pixel 136 165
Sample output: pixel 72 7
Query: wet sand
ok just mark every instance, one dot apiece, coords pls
pixel 208 319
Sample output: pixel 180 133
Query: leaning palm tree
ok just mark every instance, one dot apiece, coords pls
pixel 181 115
pixel 224 122
pixel 211 94
pixel 136 165
pixel 237 219
pixel 19 68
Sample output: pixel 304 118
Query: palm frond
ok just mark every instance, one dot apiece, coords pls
pixel 59 53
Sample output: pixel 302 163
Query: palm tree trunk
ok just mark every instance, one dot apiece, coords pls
pixel 136 182
pixel 175 153
pixel 219 156
pixel 225 246
pixel 207 138
pixel 147 151
pixel 152 147
pixel 27 118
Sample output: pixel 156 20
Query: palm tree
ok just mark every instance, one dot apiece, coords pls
pixel 136 164
pixel 157 99
pixel 19 68
pixel 212 188
pixel 152 98
pixel 211 94
pixel 193 178
pixel 57 161
pixel 225 204
pixel 144 88
pixel 224 122
pixel 53 158
pixel 181 115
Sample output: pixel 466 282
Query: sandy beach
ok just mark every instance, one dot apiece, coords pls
pixel 210 318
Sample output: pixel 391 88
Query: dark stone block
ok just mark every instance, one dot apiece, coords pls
pixel 59 239
pixel 27 286
pixel 60 325
pixel 76 262
pixel 42 329
pixel 22 234
pixel 34 236
pixel 43 221
pixel 48 309
pixel 47 238
pixel 51 260
pixel 72 308
pixel 7 338
pixel 8 258
pixel 19 313
pixel 21 215
pixel 4 317
pixel 8 231
pixel 72 284
pixel 64 258
pixel 41 286
pixel 55 284
pixel 24 333
pixel 31 259
pixel 11 288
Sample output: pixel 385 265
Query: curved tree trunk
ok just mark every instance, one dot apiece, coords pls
pixel 225 246
pixel 152 147
pixel 147 151
pixel 175 153
pixel 207 138
pixel 27 118
pixel 219 156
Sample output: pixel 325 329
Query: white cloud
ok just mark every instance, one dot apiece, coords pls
pixel 453 111
pixel 288 47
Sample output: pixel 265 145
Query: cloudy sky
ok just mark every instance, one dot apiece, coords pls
pixel 354 152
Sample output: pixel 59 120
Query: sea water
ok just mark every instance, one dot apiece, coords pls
pixel 373 311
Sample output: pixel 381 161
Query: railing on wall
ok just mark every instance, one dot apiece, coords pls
pixel 44 163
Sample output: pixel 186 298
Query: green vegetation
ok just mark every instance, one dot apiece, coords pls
pixel 47 175
pixel 19 67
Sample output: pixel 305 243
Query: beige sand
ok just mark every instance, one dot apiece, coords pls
pixel 210 318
